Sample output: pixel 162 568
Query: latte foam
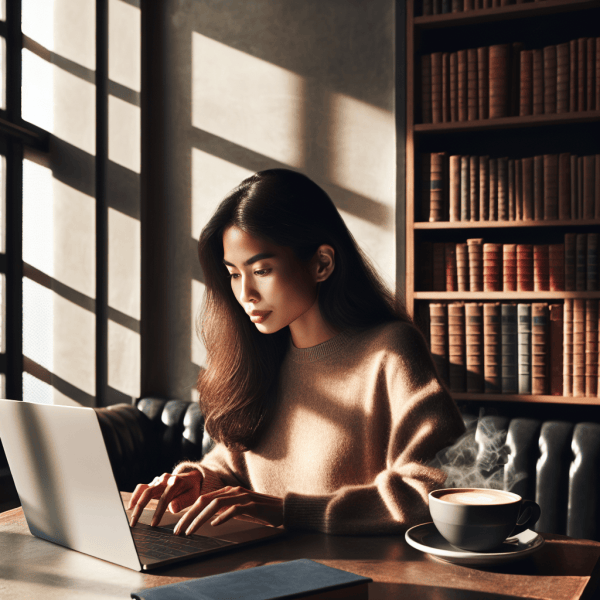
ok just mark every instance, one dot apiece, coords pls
pixel 476 497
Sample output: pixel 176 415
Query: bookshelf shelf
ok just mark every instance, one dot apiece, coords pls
pixel 506 296
pixel 505 224
pixel 528 398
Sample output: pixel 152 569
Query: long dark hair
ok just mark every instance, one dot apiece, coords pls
pixel 238 388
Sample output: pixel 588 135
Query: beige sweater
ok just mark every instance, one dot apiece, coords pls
pixel 358 418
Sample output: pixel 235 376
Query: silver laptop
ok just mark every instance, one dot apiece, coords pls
pixel 69 496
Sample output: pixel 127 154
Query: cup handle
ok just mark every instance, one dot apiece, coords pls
pixel 528 516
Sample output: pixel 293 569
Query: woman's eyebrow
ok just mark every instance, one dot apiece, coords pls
pixel 252 259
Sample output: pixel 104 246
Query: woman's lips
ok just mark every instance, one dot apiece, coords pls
pixel 259 316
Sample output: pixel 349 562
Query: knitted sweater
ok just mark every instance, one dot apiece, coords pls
pixel 357 420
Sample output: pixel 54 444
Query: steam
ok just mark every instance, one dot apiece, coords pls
pixel 478 459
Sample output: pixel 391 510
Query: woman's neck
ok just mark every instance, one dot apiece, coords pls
pixel 311 329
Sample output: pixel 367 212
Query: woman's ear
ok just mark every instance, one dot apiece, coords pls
pixel 324 262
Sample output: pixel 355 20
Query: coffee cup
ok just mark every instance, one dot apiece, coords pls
pixel 480 519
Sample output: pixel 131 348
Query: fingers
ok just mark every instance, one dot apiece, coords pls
pixel 173 487
pixel 143 494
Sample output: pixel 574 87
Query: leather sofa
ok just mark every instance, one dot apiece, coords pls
pixel 556 462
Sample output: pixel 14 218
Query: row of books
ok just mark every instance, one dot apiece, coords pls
pixel 476 266
pixel 507 80
pixel 440 7
pixel 481 188
pixel 517 348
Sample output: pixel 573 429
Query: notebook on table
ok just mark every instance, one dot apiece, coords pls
pixel 69 495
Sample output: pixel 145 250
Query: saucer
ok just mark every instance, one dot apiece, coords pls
pixel 426 538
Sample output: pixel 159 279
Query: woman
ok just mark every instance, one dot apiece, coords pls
pixel 320 394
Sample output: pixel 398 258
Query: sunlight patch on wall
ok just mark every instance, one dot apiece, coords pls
pixel 125 44
pixel 37 82
pixel 247 101
pixel 124 133
pixel 123 359
pixel 198 350
pixel 38 324
pixel 75 30
pixel 35 390
pixel 37 21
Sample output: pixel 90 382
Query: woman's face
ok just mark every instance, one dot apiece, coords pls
pixel 271 284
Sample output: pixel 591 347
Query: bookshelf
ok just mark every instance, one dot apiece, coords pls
pixel 534 26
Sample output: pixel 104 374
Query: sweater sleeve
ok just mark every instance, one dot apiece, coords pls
pixel 423 420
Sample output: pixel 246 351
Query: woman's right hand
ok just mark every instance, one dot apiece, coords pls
pixel 175 492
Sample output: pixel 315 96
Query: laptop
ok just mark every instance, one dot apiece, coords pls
pixel 69 495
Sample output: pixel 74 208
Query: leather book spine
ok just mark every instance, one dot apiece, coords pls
pixel 484 188
pixel 502 189
pixel 465 183
pixel 509 267
pixel 468 5
pixel 474 346
pixel 474 187
pixel 581 74
pixel 492 268
pixel 426 116
pixel 510 182
pixel 591 264
pixel 483 82
pixel 526 84
pixel 425 186
pixel 457 347
pixel 591 73
pixel 475 250
pixel 550 167
pixel 550 80
pixel 591 348
pixel 556 253
pixel 579 347
pixel 556 352
pixel 524 268
pixel 438 336
pixel 573 76
pixel 539 349
pixel 581 260
pixel 454 191
pixel 493 189
pixel 499 80
pixel 570 261
pixel 528 207
pixel 462 267
pixel 439 267
pixel 589 173
pixel 524 348
pixel 446 87
pixel 541 268
pixel 472 85
pixel 463 83
pixel 597 185
pixel 510 348
pixel 564 186
pixel 519 189
pixel 574 200
pixel 538 82
pixel 538 187
pixel 568 348
pixel 562 78
pixel 425 270
pixel 436 87
pixel 450 261
pixel 436 199
pixel 453 86
pixel 492 351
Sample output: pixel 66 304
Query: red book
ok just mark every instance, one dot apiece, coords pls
pixel 528 204
pixel 475 249
pixel 483 83
pixel 524 267
pixel 526 86
pixel 564 186
pixel 509 267
pixel 451 267
pixel 538 82
pixel 550 186
pixel 591 74
pixel 462 85
pixel 589 186
pixel 573 76
pixel 538 187
pixel 556 344
pixel 502 189
pixel 436 87
pixel 454 86
pixel 579 347
pixel 426 88
pixel 484 189
pixel 581 74
pixel 445 87
pixel 591 348
pixel 562 78
pixel 472 85
pixel 499 80
pixel 550 80
pixel 492 268
pixel 541 268
pixel 462 267
pixel 493 171
pixel 454 188
pixel 556 254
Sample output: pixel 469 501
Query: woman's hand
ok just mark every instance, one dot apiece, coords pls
pixel 231 502
pixel 175 492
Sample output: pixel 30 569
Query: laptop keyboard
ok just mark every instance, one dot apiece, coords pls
pixel 161 543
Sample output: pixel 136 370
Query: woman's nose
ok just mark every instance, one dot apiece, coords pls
pixel 248 293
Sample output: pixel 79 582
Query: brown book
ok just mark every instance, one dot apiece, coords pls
pixel 562 78
pixel 492 268
pixel 564 186
pixel 512 202
pixel 573 76
pixel 509 267
pixel 453 86
pixel 539 348
pixel 436 87
pixel 475 249
pixel 424 272
pixel 492 348
pixel 568 348
pixel 462 85
pixel 580 186
pixel 426 88
pixel 474 346
pixel 425 186
pixel 454 192
pixel 550 80
pixel 597 186
pixel 502 189
pixel 550 186
pixel 437 205
pixel 457 347
pixel 580 261
pixel 438 337
pixel 574 188
pixel 570 261
pixel 591 348
pixel 524 268
pixel 556 270
pixel 591 74
pixel 472 85
pixel 484 188
pixel 538 82
pixel 528 205
pixel 541 268
pixel 510 349
pixel 469 4
pixel 589 186
pixel 581 74
pixel 499 55
pixel 493 189
pixel 538 187
pixel 591 264
pixel 524 348
pixel 519 188
pixel 474 187
pixel 556 352
pixel 446 87
pixel 462 267
pixel 526 84
pixel 579 347
pixel 439 267
pixel 450 260
pixel 464 191
pixel 483 82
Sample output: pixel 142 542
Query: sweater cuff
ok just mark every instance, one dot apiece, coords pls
pixel 305 512
pixel 210 481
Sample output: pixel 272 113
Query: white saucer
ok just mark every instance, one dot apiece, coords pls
pixel 425 537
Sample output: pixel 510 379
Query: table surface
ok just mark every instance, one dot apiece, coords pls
pixel 564 568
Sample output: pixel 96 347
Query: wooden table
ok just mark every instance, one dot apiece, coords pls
pixel 563 569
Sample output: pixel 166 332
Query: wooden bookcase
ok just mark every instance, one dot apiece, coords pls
pixel 536 24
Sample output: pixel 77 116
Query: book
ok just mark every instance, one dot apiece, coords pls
pixel 493 189
pixel 291 579
pixel 573 76
pixel 550 186
pixel 502 192
pixel 484 192
pixel 463 190
pixel 463 83
pixel 474 187
pixel 445 87
pixel 564 186
pixel 453 86
pixel 512 198
pixel 483 83
pixel 526 84
pixel 455 193
pixel 492 268
pixel 591 348
pixel 426 88
pixel 492 351
pixel 539 348
pixel 538 82
pixel 524 267
pixel 581 74
pixel 472 85
pixel 499 80
pixel 436 87
pixel 519 189
pixel 474 346
pixel 528 203
pixel 550 79
pixel 510 377
pixel 556 337
pixel 568 348
pixel 591 74
pixel 578 347
pixel 438 337
pixel 556 267
pixel 541 268
pixel 524 348
pixel 570 261
pixel 437 204
pixel 538 188
pixel 580 262
pixel 450 260
pixel 562 78
pixel 591 263
pixel 475 250
pixel 574 190
pixel 509 267
pixel 589 186
pixel 462 267
pixel 457 347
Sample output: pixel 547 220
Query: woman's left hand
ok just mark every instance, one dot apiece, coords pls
pixel 229 502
